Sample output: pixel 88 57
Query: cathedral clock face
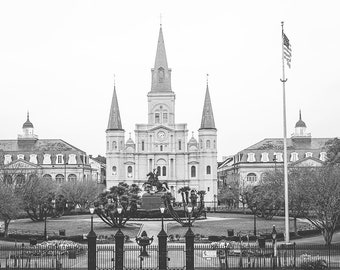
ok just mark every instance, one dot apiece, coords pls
pixel 161 135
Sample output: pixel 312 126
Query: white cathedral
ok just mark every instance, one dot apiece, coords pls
pixel 162 144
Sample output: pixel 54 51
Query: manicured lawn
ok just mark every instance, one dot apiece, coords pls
pixel 219 223
pixel 74 225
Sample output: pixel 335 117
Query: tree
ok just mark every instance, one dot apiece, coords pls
pixel 333 151
pixel 321 186
pixel 185 194
pixel 79 192
pixel 229 194
pixel 123 196
pixel 10 204
pixel 37 194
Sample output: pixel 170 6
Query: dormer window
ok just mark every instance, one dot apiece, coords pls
pixel 323 156
pixel 8 159
pixel 278 157
pixel 251 177
pixel 33 158
pixel 309 154
pixel 21 156
pixel 294 157
pixel 72 159
pixel 264 157
pixel 60 159
pixel 251 157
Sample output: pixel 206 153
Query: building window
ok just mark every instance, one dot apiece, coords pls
pixel 208 169
pixel 21 156
pixel 47 159
pixel 264 157
pixel 164 171
pixel 142 145
pixel 323 156
pixel 114 170
pixel 251 157
pixel 193 171
pixel 208 144
pixel 158 170
pixel 59 159
pixel 114 145
pixel 208 189
pixel 201 144
pixel 294 156
pixel 47 177
pixel 157 118
pixel 19 180
pixel 214 144
pixel 179 145
pixel 8 179
pixel 129 171
pixel 309 154
pixel 251 177
pixel 59 178
pixel 72 159
pixel 33 158
pixel 8 159
pixel 278 157
pixel 107 145
pixel 161 147
pixel 72 178
pixel 165 117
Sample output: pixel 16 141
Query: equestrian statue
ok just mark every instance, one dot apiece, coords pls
pixel 154 182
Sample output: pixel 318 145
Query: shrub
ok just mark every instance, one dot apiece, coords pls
pixel 310 263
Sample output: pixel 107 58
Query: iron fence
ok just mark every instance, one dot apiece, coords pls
pixel 206 256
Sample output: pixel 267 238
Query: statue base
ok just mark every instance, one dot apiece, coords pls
pixel 152 201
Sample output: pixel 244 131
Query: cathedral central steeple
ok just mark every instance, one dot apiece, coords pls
pixel 161 74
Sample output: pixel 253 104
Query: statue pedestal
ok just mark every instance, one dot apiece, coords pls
pixel 152 201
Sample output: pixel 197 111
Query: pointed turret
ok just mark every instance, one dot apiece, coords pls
pixel 114 119
pixel 207 121
pixel 161 74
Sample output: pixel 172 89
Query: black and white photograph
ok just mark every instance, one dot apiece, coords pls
pixel 169 134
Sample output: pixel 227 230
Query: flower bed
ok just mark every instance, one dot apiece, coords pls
pixel 55 247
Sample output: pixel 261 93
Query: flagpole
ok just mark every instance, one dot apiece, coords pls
pixel 283 80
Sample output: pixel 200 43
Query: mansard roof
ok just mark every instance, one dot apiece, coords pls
pixel 42 145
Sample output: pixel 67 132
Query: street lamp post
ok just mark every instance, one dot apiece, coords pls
pixel 189 243
pixel 274 234
pixel 162 244
pixel 255 221
pixel 45 209
pixel 215 202
pixel 119 239
pixel 92 242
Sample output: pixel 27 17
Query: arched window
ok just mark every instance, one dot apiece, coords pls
pixel 8 179
pixel 179 145
pixel 72 178
pixel 158 170
pixel 251 177
pixel 165 117
pixel 107 145
pixel 142 145
pixel 129 171
pixel 161 147
pixel 114 145
pixel 156 118
pixel 47 177
pixel 114 170
pixel 208 144
pixel 20 179
pixel 214 144
pixel 193 171
pixel 201 144
pixel 59 178
pixel 33 177
pixel 164 171
pixel 208 169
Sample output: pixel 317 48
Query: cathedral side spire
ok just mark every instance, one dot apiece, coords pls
pixel 207 121
pixel 115 122
pixel 161 74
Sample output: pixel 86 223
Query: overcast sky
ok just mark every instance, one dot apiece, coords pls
pixel 57 60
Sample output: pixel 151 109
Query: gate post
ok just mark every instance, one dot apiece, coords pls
pixel 91 244
pixel 119 253
pixel 189 249
pixel 162 250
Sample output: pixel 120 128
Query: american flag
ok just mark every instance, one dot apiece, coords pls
pixel 287 50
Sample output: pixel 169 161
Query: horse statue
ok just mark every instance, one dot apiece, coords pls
pixel 154 182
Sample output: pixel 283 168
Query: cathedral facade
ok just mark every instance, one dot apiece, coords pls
pixel 162 144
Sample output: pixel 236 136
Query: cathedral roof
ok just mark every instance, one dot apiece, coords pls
pixel 130 141
pixel 192 140
pixel 300 123
pixel 114 119
pixel 208 121
pixel 28 123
